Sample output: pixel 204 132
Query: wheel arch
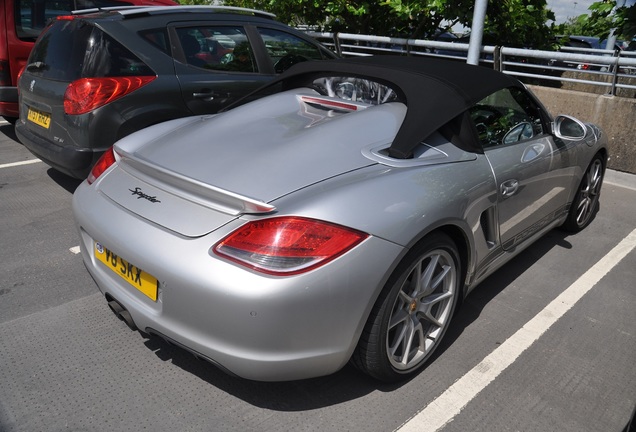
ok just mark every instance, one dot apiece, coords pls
pixel 149 117
pixel 457 235
pixel 449 232
pixel 463 243
pixel 601 151
pixel 604 155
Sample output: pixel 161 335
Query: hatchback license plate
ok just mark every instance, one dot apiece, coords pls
pixel 132 274
pixel 40 118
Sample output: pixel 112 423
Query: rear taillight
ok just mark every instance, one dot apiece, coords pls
pixel 20 72
pixel 87 94
pixel 103 163
pixel 287 245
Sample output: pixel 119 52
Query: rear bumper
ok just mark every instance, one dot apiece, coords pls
pixel 76 162
pixel 257 327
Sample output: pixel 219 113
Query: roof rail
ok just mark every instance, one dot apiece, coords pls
pixel 102 9
pixel 135 10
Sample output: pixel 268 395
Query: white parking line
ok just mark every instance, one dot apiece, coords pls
pixel 619 185
pixel 620 179
pixel 14 164
pixel 449 404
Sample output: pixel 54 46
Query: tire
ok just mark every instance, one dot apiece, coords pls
pixel 412 313
pixel 586 201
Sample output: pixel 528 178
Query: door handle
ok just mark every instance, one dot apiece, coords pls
pixel 509 188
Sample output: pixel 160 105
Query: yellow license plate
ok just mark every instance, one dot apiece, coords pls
pixel 40 118
pixel 132 274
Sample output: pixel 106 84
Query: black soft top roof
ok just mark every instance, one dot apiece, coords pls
pixel 435 91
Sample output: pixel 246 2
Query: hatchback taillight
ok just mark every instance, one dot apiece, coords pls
pixel 103 163
pixel 287 245
pixel 87 94
pixel 20 72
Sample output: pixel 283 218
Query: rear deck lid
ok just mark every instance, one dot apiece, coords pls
pixel 218 167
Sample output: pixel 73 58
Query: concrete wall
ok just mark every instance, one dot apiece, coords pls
pixel 615 115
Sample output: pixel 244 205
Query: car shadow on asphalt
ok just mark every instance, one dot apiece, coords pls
pixel 348 383
pixel 472 307
pixel 345 385
pixel 66 182
pixel 8 130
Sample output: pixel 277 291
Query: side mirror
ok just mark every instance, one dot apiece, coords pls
pixel 569 128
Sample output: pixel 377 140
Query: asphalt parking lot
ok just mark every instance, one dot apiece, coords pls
pixel 548 343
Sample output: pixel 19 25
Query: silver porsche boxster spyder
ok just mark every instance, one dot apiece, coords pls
pixel 341 217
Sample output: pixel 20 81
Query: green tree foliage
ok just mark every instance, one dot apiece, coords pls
pixel 364 17
pixel 421 19
pixel 572 26
pixel 606 16
pixel 194 2
pixel 511 22
pixel 519 23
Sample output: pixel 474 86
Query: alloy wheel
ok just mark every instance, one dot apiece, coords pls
pixel 422 310
pixel 589 193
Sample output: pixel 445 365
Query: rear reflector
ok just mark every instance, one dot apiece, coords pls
pixel 87 94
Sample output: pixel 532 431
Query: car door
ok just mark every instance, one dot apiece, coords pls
pixel 216 64
pixel 529 168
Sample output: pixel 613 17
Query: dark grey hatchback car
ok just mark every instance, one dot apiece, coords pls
pixel 95 77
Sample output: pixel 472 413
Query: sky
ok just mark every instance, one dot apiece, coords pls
pixel 563 9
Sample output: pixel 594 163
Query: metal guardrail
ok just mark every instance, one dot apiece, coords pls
pixel 612 70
